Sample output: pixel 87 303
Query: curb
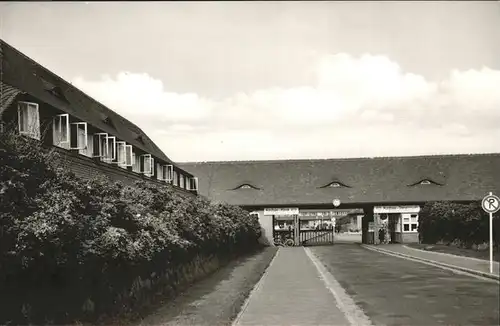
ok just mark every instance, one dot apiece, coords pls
pixel 433 262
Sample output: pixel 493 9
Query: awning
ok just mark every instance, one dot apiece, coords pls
pixel 7 95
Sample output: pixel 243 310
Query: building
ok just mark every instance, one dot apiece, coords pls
pixel 388 190
pixel 90 137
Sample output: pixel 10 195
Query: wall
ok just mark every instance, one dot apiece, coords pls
pixel 266 223
pixel 86 167
pixel 411 237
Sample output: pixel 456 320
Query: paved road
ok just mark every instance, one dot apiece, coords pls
pixel 395 291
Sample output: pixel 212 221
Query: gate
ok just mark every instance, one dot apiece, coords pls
pixel 295 231
pixel 314 232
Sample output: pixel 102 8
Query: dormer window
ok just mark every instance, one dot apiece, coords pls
pixel 335 184
pixel 246 186
pixel 425 182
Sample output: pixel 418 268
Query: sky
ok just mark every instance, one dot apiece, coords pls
pixel 211 81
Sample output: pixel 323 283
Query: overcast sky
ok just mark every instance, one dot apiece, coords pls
pixel 276 80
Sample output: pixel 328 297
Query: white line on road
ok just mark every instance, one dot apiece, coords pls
pixel 345 303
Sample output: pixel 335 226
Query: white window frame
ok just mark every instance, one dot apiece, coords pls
pixel 89 149
pixel 129 157
pixel 170 173
pixel 110 157
pixel 120 153
pixel 33 126
pixel 147 158
pixel 78 146
pixel 160 169
pixel 175 178
pixel 136 163
pixel 192 180
pixel 182 183
pixel 59 139
pixel 102 148
pixel 164 172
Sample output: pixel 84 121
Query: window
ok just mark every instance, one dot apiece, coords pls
pixel 425 182
pixel 89 150
pixel 78 135
pixel 120 154
pixel 410 223
pixel 176 179
pixel 148 165
pixel 128 156
pixel 29 119
pixel 164 172
pixel 245 186
pixel 100 146
pixel 110 152
pixel 192 184
pixel 136 163
pixel 181 181
pixel 60 131
pixel 335 185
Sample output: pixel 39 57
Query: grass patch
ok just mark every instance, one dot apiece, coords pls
pixel 454 250
pixel 217 299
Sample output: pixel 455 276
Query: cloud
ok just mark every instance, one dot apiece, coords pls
pixel 357 106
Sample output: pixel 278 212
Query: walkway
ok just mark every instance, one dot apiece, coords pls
pixel 291 292
pixel 482 266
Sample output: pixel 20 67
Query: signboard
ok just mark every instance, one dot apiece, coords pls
pixel 396 209
pixel 329 213
pixel 281 211
pixel 491 205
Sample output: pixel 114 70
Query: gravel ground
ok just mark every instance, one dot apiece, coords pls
pixel 396 291
pixel 217 299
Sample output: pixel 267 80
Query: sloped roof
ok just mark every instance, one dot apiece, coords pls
pixel 25 74
pixel 367 180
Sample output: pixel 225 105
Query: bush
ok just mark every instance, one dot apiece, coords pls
pixel 71 249
pixel 462 224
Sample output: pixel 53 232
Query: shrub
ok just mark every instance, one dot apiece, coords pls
pixel 463 224
pixel 73 249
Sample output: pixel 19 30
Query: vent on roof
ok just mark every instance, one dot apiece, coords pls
pixel 109 122
pixel 53 89
pixel 246 186
pixel 140 139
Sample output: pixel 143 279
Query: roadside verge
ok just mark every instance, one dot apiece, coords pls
pixel 217 299
pixel 454 268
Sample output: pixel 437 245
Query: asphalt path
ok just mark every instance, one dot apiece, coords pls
pixel 396 291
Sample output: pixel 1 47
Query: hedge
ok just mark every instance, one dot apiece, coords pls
pixel 465 225
pixel 72 249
